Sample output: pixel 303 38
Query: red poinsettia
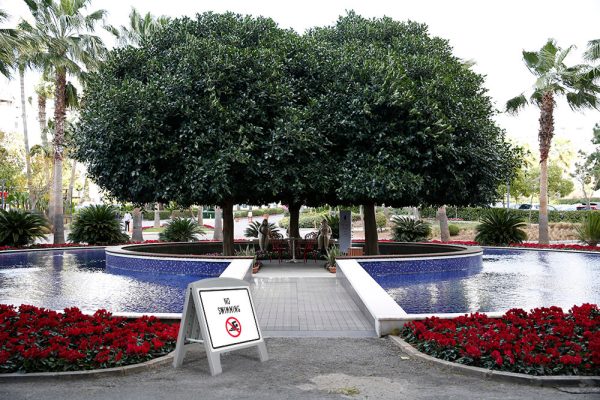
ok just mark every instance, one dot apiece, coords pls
pixel 34 339
pixel 545 341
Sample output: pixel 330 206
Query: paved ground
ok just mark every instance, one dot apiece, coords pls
pixel 306 368
pixel 305 300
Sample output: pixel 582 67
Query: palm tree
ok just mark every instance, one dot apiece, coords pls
pixel 65 45
pixel 140 28
pixel 553 78
pixel 7 45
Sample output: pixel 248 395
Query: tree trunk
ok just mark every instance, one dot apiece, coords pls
pixel 444 231
pixel 157 215
pixel 371 245
pixel 70 191
pixel 42 119
pixel 228 228
pixel 59 136
pixel 545 141
pixel 218 232
pixel 200 216
pixel 26 140
pixel 294 230
pixel 137 235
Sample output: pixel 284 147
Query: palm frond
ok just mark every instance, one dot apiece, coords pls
pixel 593 50
pixel 582 100
pixel 562 54
pixel 536 97
pixel 547 56
pixel 531 60
pixel 514 105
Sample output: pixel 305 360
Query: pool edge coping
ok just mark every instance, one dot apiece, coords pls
pixel 91 373
pixel 512 377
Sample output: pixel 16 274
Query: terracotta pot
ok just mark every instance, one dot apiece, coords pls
pixel 332 269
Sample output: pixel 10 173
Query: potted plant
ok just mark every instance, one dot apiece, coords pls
pixel 332 254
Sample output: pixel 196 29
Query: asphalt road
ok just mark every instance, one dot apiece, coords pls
pixel 306 368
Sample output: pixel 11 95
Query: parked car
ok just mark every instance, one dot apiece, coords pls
pixel 535 207
pixel 593 206
pixel 566 207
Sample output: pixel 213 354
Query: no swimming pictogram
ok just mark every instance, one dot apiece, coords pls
pixel 233 327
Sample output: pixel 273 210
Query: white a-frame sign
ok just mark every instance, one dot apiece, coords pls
pixel 219 313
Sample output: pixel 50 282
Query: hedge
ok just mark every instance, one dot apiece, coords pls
pixel 166 214
pixel 312 220
pixel 474 214
pixel 259 212
pixel 307 220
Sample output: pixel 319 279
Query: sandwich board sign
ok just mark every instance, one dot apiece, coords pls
pixel 219 313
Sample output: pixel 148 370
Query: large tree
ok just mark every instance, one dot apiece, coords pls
pixel 411 124
pixel 553 78
pixel 61 32
pixel 186 116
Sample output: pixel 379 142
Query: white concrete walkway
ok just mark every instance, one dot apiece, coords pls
pixel 297 300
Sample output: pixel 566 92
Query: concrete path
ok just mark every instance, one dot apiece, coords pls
pixel 299 368
pixel 299 300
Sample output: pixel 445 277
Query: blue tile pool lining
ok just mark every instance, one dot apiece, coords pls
pixel 422 264
pixel 165 265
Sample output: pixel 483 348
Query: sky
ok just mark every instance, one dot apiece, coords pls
pixel 493 34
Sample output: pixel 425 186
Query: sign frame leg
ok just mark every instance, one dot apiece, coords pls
pixel 262 352
pixel 184 330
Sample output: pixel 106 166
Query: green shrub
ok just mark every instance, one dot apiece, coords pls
pixel 334 223
pixel 252 229
pixel 306 220
pixel 181 230
pixel 380 220
pixel 148 215
pixel 475 214
pixel 258 212
pixel 589 231
pixel 407 229
pixel 20 228
pixel 500 226
pixel 97 224
pixel 453 229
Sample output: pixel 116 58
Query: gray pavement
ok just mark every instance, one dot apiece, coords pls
pixel 299 368
pixel 305 300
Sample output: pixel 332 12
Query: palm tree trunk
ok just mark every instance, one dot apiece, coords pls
pixel 218 232
pixel 70 191
pixel 228 228
pixel 26 139
pixel 42 119
pixel 545 140
pixel 137 235
pixel 444 230
pixel 157 215
pixel 371 245
pixel 59 136
pixel 200 216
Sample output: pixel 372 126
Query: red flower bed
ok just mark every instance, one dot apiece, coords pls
pixel 576 247
pixel 544 341
pixel 556 246
pixel 38 340
pixel 463 242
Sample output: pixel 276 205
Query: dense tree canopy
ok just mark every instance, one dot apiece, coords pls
pixel 225 108
pixel 413 118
